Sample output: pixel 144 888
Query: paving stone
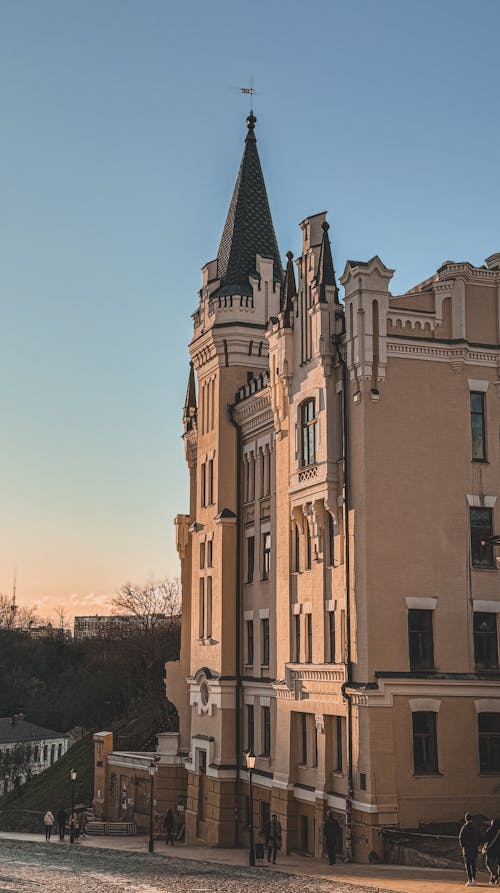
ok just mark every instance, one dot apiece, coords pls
pixel 29 867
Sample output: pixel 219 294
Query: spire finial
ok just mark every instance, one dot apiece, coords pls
pixel 325 274
pixel 289 290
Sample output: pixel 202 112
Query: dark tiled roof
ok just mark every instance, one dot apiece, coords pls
pixel 289 290
pixel 23 730
pixel 190 402
pixel 249 227
pixel 325 274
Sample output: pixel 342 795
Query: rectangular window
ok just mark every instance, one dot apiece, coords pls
pixel 308 427
pixel 266 555
pixel 303 739
pixel 297 549
pixel 489 742
pixel 338 767
pixel 202 608
pixel 425 756
pixel 45 752
pixel 331 637
pixel 210 553
pixel 308 547
pixel 478 428
pixel 265 814
pixel 250 642
pixel 250 558
pixel 331 541
pixel 210 481
pixel 202 556
pixel 296 620
pixel 265 642
pixel 420 639
pixel 250 727
pixel 485 640
pixel 209 608
pixel 481 527
pixel 266 731
pixel 203 481
pixel 304 833
pixel 309 639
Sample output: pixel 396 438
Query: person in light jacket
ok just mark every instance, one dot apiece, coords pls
pixel 48 821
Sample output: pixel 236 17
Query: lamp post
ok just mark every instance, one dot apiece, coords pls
pixel 153 769
pixel 250 761
pixel 72 817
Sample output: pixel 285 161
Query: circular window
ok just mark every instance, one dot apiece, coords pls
pixel 204 694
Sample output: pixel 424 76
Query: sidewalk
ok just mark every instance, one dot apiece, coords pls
pixel 400 878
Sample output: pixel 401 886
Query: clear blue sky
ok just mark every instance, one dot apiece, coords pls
pixel 121 136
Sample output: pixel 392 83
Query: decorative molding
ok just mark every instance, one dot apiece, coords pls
pixel 477 501
pixel 477 384
pixel 483 606
pixel 487 705
pixel 421 604
pixel 444 353
pixel 424 704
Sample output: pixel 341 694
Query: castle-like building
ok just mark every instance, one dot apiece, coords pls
pixel 339 570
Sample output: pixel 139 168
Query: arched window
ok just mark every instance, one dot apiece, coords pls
pixel 308 433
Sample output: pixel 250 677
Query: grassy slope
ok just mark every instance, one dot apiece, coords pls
pixel 52 788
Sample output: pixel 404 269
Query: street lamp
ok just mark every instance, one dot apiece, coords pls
pixel 153 769
pixel 72 819
pixel 250 761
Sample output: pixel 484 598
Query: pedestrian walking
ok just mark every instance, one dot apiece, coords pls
pixel 491 850
pixel 469 840
pixel 48 821
pixel 82 824
pixel 61 818
pixel 330 835
pixel 274 838
pixel 169 827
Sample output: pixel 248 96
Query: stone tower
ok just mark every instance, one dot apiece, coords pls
pixel 241 291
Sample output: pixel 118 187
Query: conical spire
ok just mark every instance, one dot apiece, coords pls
pixel 289 290
pixel 249 227
pixel 325 274
pixel 190 402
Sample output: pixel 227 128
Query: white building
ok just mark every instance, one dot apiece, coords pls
pixel 26 749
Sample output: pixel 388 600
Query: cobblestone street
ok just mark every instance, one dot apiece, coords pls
pixel 53 868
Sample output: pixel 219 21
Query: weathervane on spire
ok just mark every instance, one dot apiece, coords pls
pixel 249 91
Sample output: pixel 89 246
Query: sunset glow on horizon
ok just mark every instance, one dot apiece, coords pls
pixel 122 138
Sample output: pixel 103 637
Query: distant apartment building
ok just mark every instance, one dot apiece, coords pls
pixel 101 626
pixel 26 749
pixel 340 579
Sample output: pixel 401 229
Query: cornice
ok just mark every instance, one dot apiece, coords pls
pixel 442 353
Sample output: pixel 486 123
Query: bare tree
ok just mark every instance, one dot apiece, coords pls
pixel 13 616
pixel 153 605
pixel 154 611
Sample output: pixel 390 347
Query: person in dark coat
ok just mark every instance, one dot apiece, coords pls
pixel 491 850
pixel 330 835
pixel 169 827
pixel 469 840
pixel 62 818
pixel 273 838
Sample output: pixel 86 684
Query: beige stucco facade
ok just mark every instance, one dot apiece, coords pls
pixel 332 490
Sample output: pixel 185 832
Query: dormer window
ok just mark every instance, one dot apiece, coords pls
pixel 308 433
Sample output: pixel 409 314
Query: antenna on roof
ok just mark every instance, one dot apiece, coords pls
pixel 13 607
